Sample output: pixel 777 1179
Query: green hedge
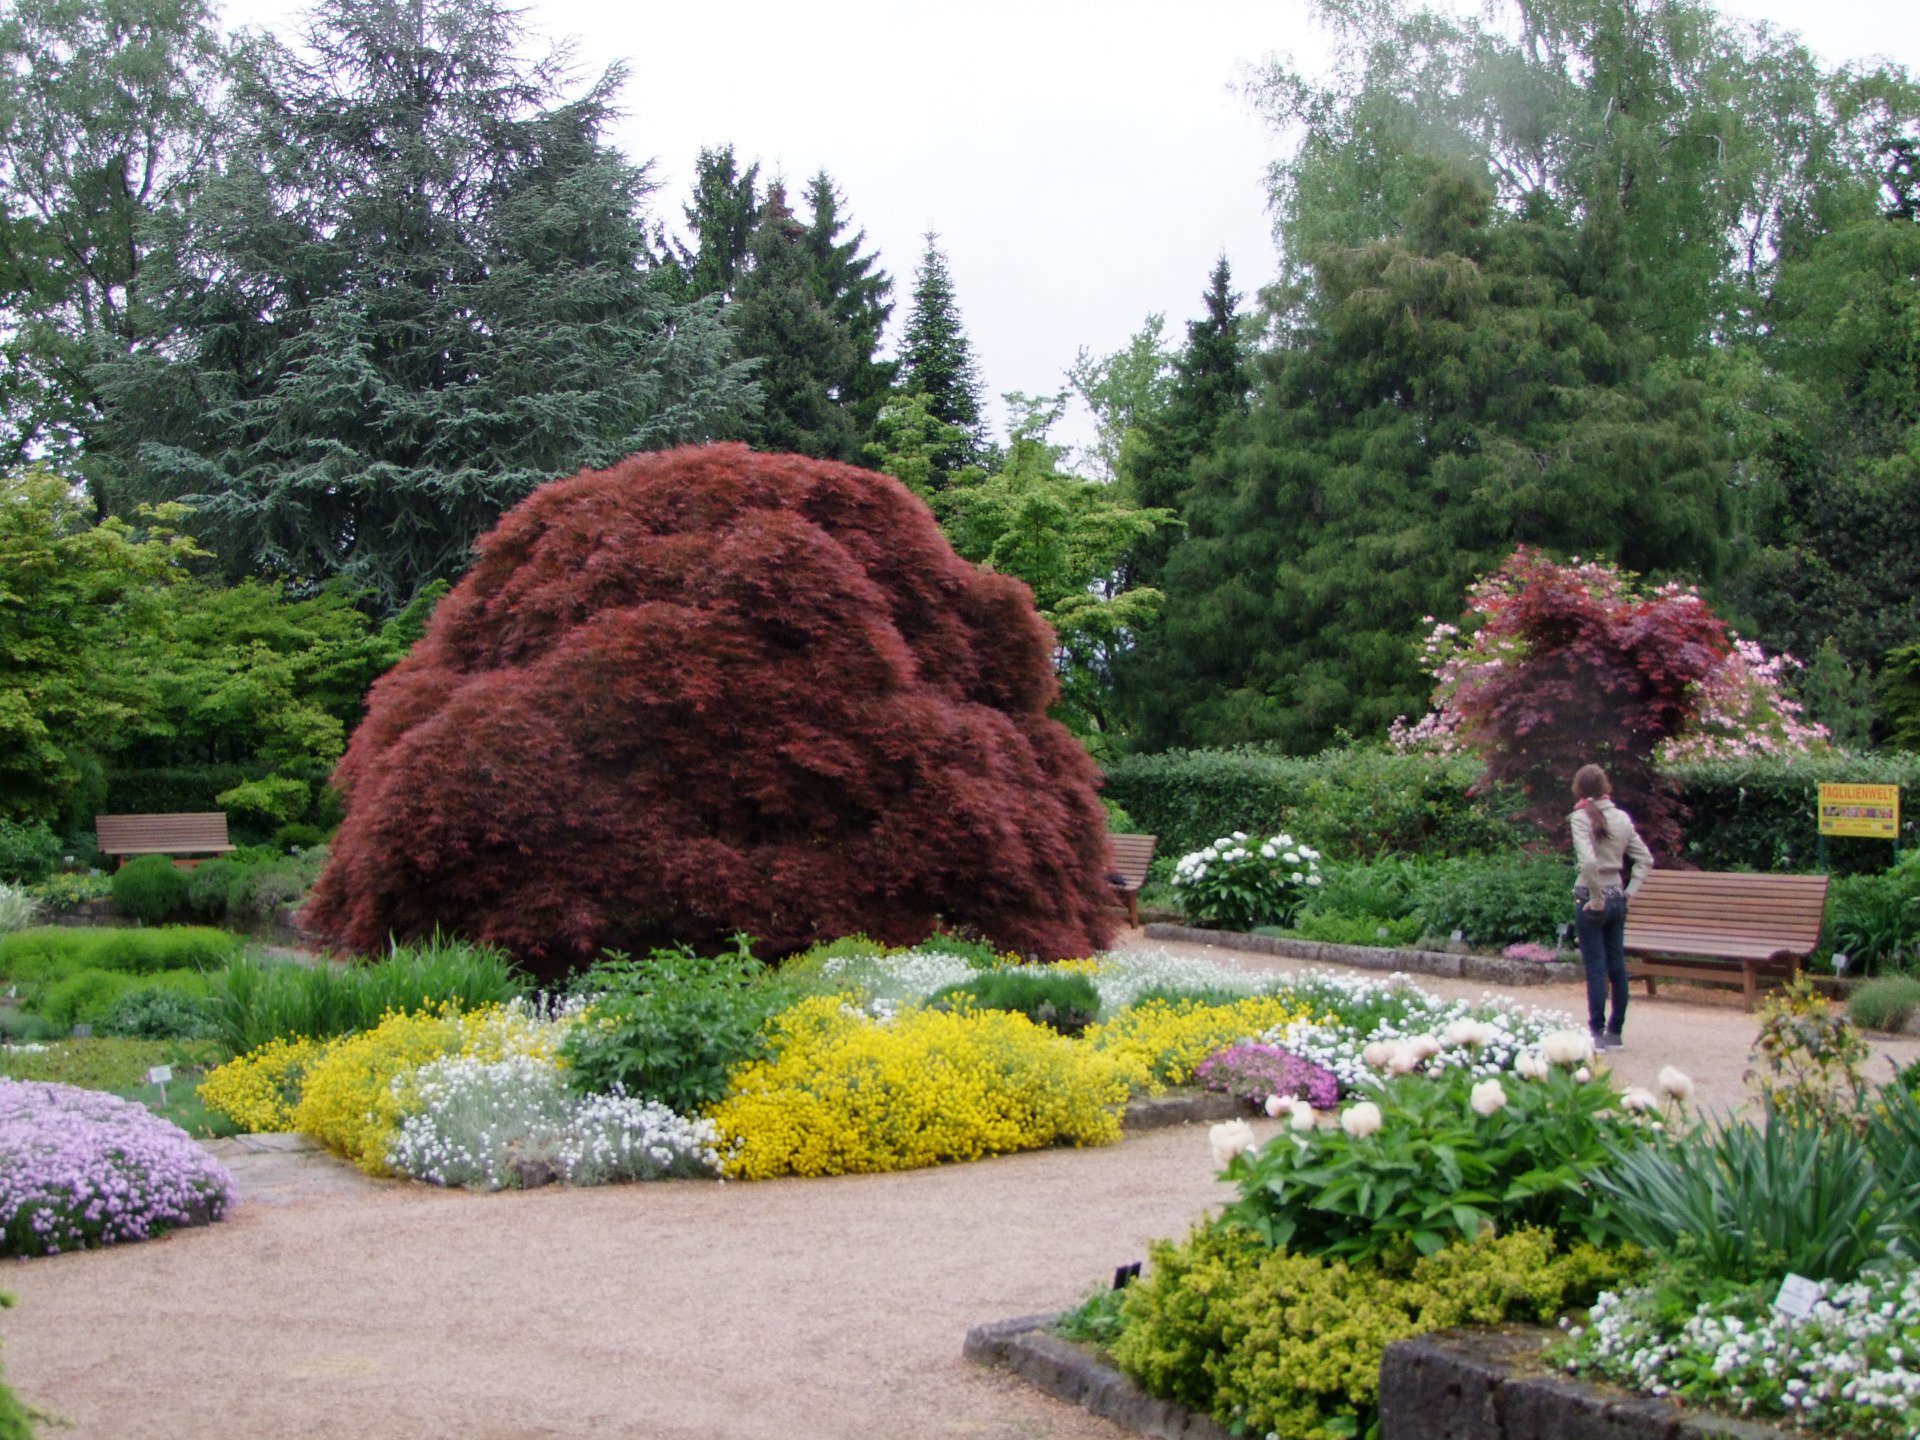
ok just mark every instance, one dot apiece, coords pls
pixel 1762 814
pixel 1349 803
pixel 176 789
pixel 1357 803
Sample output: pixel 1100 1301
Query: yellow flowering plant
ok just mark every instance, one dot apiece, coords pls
pixel 842 1093
pixel 258 1090
pixel 1158 1043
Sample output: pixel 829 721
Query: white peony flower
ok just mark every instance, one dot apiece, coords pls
pixel 1488 1098
pixel 1379 1054
pixel 1303 1116
pixel 1403 1060
pixel 1530 1066
pixel 1228 1139
pixel 1276 1104
pixel 1567 1047
pixel 1638 1101
pixel 1425 1047
pixel 1583 1074
pixel 1361 1120
pixel 1676 1084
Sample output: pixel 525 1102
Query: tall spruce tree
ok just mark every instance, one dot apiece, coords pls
pixel 936 361
pixel 721 220
pixel 1453 393
pixel 1210 384
pixel 780 320
pixel 418 286
pixel 858 295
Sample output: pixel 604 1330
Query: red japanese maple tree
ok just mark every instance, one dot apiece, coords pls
pixel 1572 664
pixel 712 691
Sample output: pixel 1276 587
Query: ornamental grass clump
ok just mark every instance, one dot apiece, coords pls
pixel 478 1123
pixel 843 1093
pixel 79 1168
pixel 1239 881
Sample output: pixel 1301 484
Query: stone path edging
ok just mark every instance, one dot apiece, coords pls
pixel 1183 1107
pixel 1031 1351
pixel 1492 969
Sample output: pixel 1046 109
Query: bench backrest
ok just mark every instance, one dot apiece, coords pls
pixel 1771 912
pixel 197 834
pixel 1131 854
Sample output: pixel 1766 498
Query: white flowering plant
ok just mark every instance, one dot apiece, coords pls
pixel 1240 881
pixel 1851 1365
pixel 1422 1163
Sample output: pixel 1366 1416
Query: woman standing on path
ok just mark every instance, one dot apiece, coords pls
pixel 1603 839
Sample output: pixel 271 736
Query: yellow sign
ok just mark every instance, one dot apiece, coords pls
pixel 1869 810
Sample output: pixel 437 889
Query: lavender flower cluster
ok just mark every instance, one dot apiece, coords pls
pixel 1256 1072
pixel 80 1168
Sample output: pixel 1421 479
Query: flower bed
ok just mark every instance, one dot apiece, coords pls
pixel 80 1168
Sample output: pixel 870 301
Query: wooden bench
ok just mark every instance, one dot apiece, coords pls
pixel 1699 925
pixel 124 836
pixel 1129 857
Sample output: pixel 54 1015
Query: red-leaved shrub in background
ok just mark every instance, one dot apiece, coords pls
pixel 1571 664
pixel 711 691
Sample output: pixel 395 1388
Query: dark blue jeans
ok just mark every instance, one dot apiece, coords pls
pixel 1602 937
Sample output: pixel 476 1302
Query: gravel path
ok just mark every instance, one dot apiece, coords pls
pixel 339 1306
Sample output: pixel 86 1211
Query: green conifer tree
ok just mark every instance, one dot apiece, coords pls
pixel 721 220
pixel 858 294
pixel 936 360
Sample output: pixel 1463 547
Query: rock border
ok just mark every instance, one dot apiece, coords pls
pixel 1491 969
pixel 1028 1349
pixel 1183 1107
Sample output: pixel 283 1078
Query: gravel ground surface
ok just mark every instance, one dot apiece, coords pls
pixel 333 1305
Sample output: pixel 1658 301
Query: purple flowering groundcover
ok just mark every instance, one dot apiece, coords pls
pixel 1254 1072
pixel 81 1168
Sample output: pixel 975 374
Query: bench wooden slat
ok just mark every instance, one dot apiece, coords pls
pixel 1718 926
pixel 198 833
pixel 1128 856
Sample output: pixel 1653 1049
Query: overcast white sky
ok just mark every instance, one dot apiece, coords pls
pixel 1084 161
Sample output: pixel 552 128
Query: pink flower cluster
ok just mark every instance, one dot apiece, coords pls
pixel 1256 1072
pixel 1743 708
pixel 80 1168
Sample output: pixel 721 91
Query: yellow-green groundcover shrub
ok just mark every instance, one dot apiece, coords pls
pixel 1158 1042
pixel 843 1093
pixel 1271 1342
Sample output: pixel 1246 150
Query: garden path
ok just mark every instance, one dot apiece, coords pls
pixel 1701 1029
pixel 793 1309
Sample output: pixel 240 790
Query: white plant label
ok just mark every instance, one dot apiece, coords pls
pixel 159 1074
pixel 1797 1296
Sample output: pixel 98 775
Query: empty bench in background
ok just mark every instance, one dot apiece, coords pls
pixel 189 838
pixel 1723 929
pixel 1129 856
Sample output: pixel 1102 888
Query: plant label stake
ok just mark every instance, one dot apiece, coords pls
pixel 159 1075
pixel 1797 1296
pixel 1123 1274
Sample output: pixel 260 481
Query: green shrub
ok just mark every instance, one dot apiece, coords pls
pixel 22 1027
pixel 82 998
pixel 671 1027
pixel 1061 1000
pixel 28 851
pixel 1331 929
pixel 51 952
pixel 1437 1171
pixel 1875 919
pixel 18 908
pixel 69 888
pixel 16 1422
pixel 255 1002
pixel 1272 1342
pixel 1886 1003
pixel 156 1013
pixel 1354 802
pixel 1497 902
pixel 175 789
pixel 1388 888
pixel 150 889
pixel 296 837
pixel 207 888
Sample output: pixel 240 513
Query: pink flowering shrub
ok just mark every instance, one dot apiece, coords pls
pixel 80 1168
pixel 1557 665
pixel 1256 1072
pixel 1531 952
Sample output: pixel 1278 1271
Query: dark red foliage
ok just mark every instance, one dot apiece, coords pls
pixel 1589 670
pixel 711 691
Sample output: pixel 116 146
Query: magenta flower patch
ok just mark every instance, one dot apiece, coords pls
pixel 1256 1072
pixel 80 1168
